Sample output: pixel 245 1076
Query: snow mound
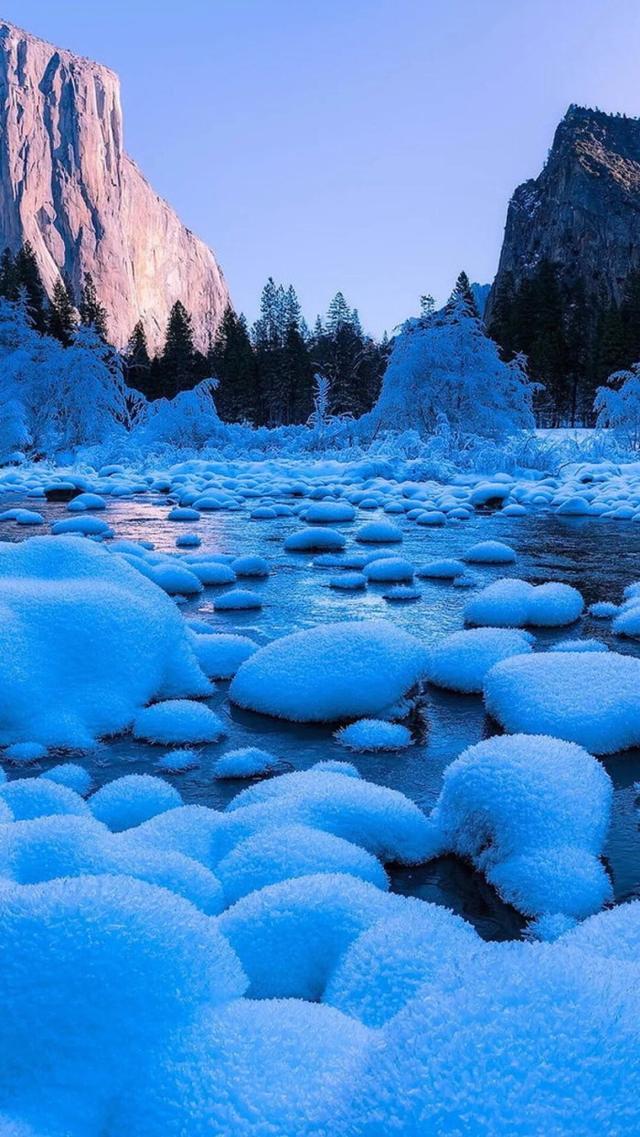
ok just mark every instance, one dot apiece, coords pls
pixel 75 621
pixel 512 603
pixel 246 762
pixel 496 1050
pixel 53 847
pixel 330 672
pixel 71 775
pixel 388 569
pixel 97 971
pixel 348 581
pixel 490 553
pixel 532 814
pixel 237 599
pixel 334 512
pixel 441 570
pixel 39 797
pixel 252 1068
pixel 460 661
pixel 314 539
pixel 379 532
pixel 288 851
pixel 384 821
pixel 250 565
pixel 385 966
pixel 132 799
pixel 591 698
pixel 178 761
pixel 178 721
pixel 290 936
pixel 374 734
pixel 220 655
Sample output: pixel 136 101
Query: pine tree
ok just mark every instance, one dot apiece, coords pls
pixel 463 296
pixel 178 356
pixel 137 361
pixel 338 313
pixel 28 277
pixel 233 362
pixel 8 276
pixel 61 322
pixel 92 312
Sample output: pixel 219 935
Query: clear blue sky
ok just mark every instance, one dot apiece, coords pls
pixel 366 145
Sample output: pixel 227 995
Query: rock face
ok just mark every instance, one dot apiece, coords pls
pixel 567 288
pixel 583 212
pixel 68 187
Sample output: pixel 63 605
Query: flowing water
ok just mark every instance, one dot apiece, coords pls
pixel 599 557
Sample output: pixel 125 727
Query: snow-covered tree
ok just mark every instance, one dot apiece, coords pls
pixel 321 395
pixel 67 396
pixel 189 420
pixel 618 405
pixel 444 368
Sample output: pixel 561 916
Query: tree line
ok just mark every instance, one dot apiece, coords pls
pixel 574 340
pixel 265 373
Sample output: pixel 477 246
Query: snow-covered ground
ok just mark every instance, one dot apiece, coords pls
pixel 234 789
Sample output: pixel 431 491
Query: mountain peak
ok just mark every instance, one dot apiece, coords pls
pixel 68 187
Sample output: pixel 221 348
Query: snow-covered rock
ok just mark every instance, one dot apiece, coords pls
pixel 331 672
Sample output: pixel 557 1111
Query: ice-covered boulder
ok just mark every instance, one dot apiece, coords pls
pixel 85 642
pixel 331 672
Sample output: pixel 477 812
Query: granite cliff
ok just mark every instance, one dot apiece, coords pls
pixel 69 188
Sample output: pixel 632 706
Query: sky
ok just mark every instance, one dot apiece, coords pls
pixel 370 146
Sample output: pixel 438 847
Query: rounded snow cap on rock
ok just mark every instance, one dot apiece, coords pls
pixel 333 512
pixel 388 570
pixel 314 539
pixel 591 698
pixel 379 532
pixel 71 775
pixel 245 762
pixel 490 553
pixel 374 734
pixel 237 599
pixel 331 672
pixel 132 799
pixel 532 813
pixel 459 662
pixel 177 721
